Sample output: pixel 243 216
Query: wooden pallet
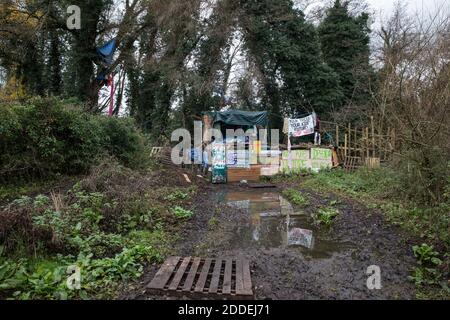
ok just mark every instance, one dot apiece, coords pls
pixel 238 174
pixel 352 163
pixel 262 186
pixel 203 278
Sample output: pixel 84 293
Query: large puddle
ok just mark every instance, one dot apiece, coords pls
pixel 273 223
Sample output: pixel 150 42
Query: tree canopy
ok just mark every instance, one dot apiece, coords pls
pixel 176 59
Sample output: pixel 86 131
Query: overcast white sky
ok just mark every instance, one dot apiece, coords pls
pixel 387 5
pixel 383 8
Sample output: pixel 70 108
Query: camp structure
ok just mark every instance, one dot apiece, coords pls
pixel 305 149
pixel 242 156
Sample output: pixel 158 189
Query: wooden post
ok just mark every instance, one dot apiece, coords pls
pixel 367 143
pixel 337 136
pixel 393 139
pixel 387 152
pixel 345 145
pixel 349 140
pixel 394 146
pixel 356 141
pixel 373 137
pixel 380 143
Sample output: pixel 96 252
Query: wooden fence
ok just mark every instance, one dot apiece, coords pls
pixel 368 144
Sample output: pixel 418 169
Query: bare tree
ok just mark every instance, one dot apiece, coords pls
pixel 414 92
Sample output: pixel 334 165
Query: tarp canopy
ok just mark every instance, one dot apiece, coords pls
pixel 106 52
pixel 240 118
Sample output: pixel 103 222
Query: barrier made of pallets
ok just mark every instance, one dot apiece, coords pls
pixel 200 278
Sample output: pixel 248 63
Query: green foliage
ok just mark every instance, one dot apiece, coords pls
pixel 361 182
pixel 345 45
pixel 44 137
pixel 182 213
pixel 386 189
pixel 425 173
pixel 426 255
pixel 428 259
pixel 296 197
pixel 109 232
pixel 47 279
pixel 213 222
pixel 177 195
pixel 326 216
pixel 287 51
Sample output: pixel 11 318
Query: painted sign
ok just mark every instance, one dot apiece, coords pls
pixel 321 154
pixel 315 160
pixel 218 163
pixel 302 127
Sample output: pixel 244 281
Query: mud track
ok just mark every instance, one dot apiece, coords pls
pixel 334 269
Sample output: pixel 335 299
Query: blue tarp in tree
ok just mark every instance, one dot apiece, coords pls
pixel 105 57
pixel 106 52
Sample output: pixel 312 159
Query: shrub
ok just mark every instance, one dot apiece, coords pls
pixel 424 174
pixel 45 137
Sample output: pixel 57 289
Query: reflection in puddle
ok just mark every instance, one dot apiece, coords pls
pixel 300 237
pixel 274 223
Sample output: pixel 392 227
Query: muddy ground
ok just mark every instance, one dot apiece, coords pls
pixel 229 222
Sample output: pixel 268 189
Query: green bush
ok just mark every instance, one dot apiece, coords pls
pixel 101 232
pixel 424 174
pixel 45 137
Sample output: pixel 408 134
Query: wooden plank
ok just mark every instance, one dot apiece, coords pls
pixel 261 185
pixel 191 277
pixel 214 286
pixel 179 275
pixel 227 276
pixel 247 278
pixel 164 274
pixel 203 276
pixel 239 277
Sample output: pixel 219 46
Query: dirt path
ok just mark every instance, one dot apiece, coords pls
pixel 313 263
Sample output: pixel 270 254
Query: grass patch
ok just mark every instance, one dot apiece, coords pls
pixel 296 197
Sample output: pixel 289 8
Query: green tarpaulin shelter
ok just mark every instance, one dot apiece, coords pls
pixel 240 118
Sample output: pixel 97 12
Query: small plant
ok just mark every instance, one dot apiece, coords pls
pixel 334 203
pixel 296 197
pixel 177 195
pixel 326 216
pixel 426 255
pixel 181 213
pixel 213 222
pixel 428 259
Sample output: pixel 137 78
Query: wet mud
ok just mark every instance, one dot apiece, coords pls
pixel 291 256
